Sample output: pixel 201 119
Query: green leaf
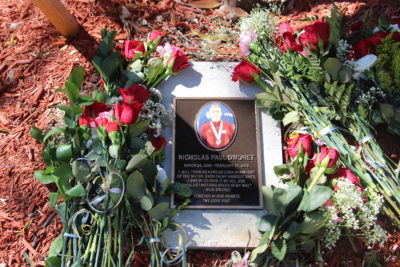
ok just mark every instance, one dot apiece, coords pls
pixel 76 191
pixel 345 75
pixel 61 209
pixel 266 100
pixel 290 117
pixel 278 249
pixel 52 132
pixel 64 171
pixel 155 66
pixel 256 254
pixel 180 189
pixel 37 134
pixel 44 178
pixel 72 91
pixel 387 111
pixel 84 100
pixel 146 203
pixel 77 76
pixel 291 230
pixel 53 199
pixel 313 200
pixel 137 161
pixel 56 246
pixel 132 78
pixel 283 197
pixel 159 211
pixel 332 65
pixel 138 128
pixel 111 63
pixel 149 172
pixel 135 185
pixel 101 96
pixel 268 194
pixel 313 221
pixel 64 152
pixel 98 63
pixel 53 262
pixel 266 223
pixel 80 170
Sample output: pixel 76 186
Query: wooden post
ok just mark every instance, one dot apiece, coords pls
pixel 59 16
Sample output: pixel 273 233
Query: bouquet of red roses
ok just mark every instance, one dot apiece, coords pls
pixel 322 77
pixel 106 160
pixel 314 201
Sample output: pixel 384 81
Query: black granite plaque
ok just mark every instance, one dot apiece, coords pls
pixel 217 152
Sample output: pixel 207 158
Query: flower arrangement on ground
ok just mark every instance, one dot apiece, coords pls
pixel 314 200
pixel 106 160
pixel 323 77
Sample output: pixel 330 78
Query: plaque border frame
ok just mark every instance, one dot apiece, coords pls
pixel 259 155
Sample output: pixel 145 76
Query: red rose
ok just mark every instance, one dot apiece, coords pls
pixel 94 109
pixel 135 92
pixel 318 30
pixel 127 113
pixel 327 158
pixel 243 72
pixel 305 140
pixel 368 45
pixel 159 142
pixel 102 121
pixel 154 35
pixel 347 174
pixel 290 41
pixel 112 126
pixel 84 121
pixel 131 48
pixel 179 60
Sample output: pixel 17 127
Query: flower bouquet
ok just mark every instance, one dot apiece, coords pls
pixel 106 159
pixel 315 79
pixel 313 202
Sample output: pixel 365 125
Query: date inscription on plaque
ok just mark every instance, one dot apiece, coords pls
pixel 217 152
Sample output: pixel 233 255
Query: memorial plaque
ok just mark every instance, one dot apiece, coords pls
pixel 217 152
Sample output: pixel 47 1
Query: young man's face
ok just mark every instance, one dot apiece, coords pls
pixel 215 113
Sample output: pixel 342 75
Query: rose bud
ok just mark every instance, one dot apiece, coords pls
pixel 327 159
pixel 127 113
pixel 347 174
pixel 177 62
pixel 135 92
pixel 93 110
pixel 133 49
pixel 159 143
pixel 305 140
pixel 244 71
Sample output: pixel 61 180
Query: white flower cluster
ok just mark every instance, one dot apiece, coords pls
pixel 352 212
pixel 260 21
pixel 343 52
pixel 158 115
pixel 367 97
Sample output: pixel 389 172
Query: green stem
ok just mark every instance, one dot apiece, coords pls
pixel 321 171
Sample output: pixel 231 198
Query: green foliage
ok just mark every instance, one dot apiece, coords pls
pixel 336 21
pixel 388 67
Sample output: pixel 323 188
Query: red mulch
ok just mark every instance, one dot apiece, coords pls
pixel 35 60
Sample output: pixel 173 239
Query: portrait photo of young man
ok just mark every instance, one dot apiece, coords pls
pixel 216 126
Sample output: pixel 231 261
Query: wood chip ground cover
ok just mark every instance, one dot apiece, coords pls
pixel 35 60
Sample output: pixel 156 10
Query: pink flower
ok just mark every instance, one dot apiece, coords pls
pixel 154 35
pixel 166 50
pixel 284 27
pixel 93 110
pixel 245 41
pixel 127 113
pixel 131 48
pixel 135 92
